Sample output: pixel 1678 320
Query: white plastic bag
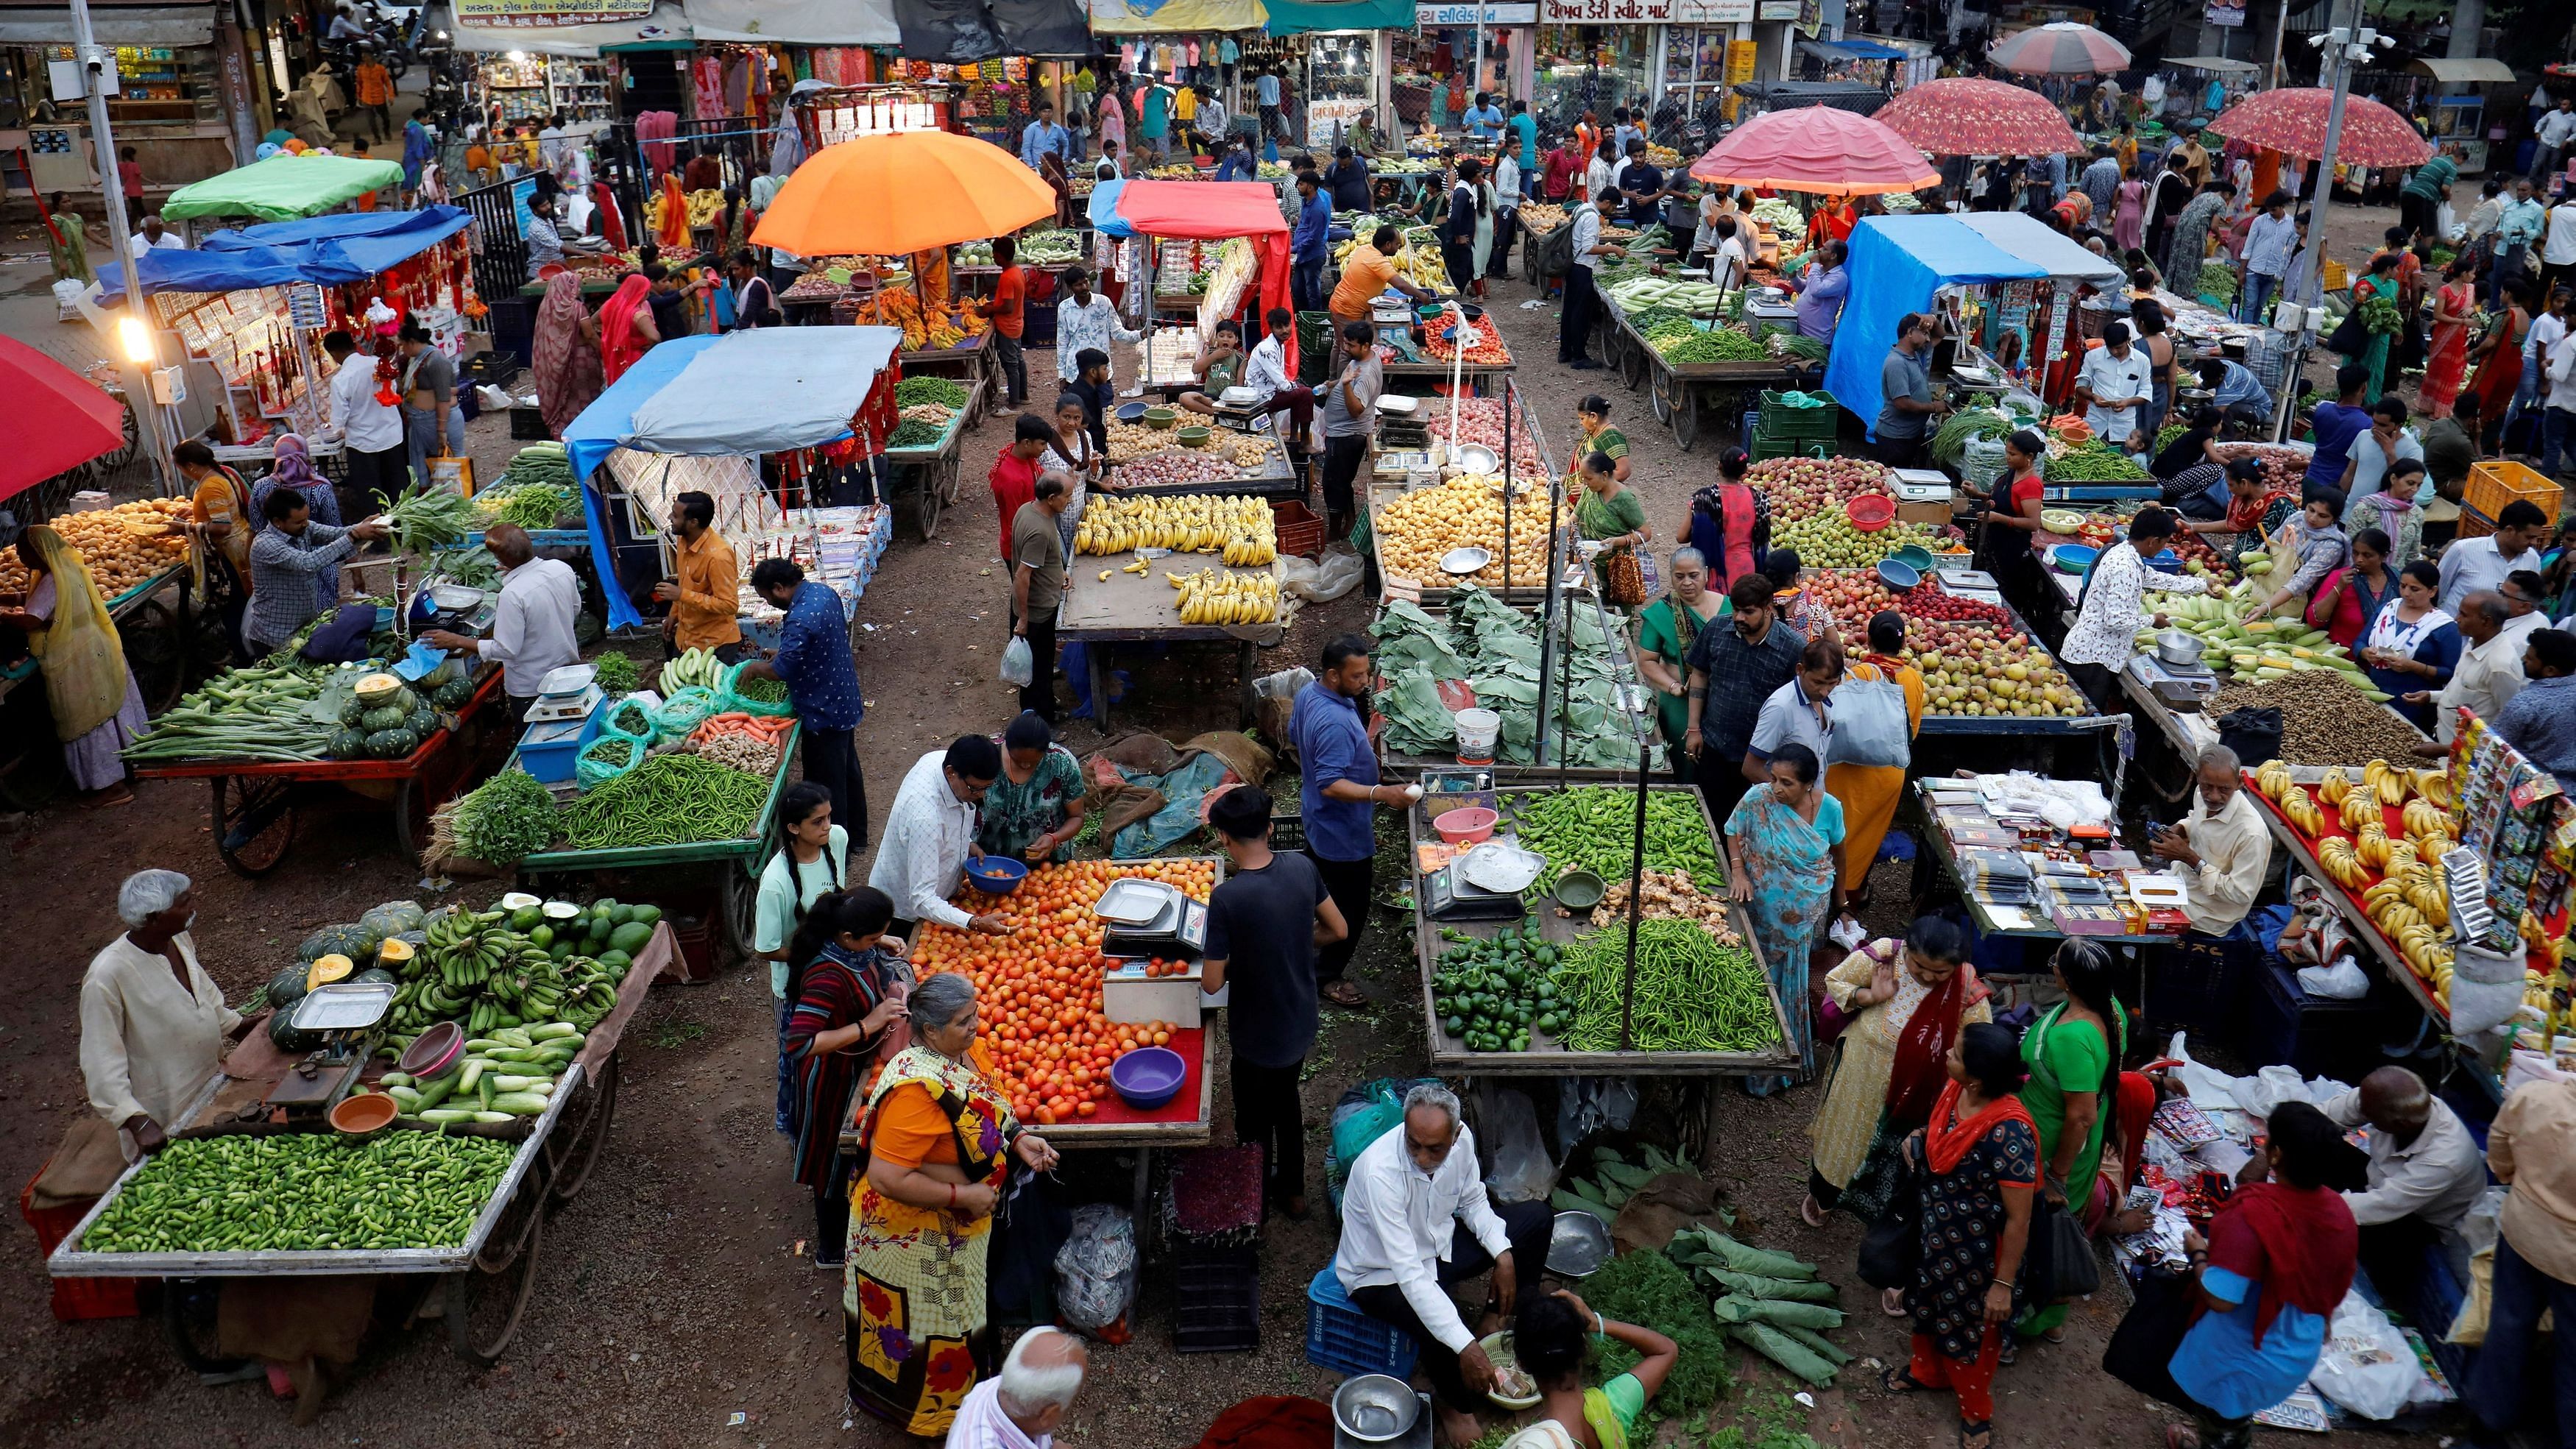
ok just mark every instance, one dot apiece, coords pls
pixel 2366 1365
pixel 2342 981
pixel 1019 666
pixel 1521 1170
pixel 1325 579
pixel 1095 1270
pixel 2486 990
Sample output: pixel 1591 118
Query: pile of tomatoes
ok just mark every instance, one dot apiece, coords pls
pixel 1037 990
pixel 1484 343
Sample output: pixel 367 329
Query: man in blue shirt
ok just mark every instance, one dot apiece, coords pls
pixel 1526 130
pixel 1310 245
pixel 1042 137
pixel 1265 95
pixel 1338 795
pixel 822 679
pixel 2336 424
pixel 1484 119
pixel 2239 394
pixel 1238 163
pixel 2540 720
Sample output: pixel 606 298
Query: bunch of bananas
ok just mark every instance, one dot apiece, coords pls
pixel 2334 785
pixel 2273 779
pixel 2391 784
pixel 2300 809
pixel 1211 596
pixel 1242 529
pixel 2360 808
pixel 473 968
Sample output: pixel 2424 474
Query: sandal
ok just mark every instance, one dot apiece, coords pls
pixel 2008 1352
pixel 1892 1302
pixel 2056 1335
pixel 1981 1430
pixel 1811 1214
pixel 2180 1436
pixel 1901 1380
pixel 1342 993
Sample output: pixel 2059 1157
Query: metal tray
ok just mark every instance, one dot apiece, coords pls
pixel 1134 902
pixel 344 1006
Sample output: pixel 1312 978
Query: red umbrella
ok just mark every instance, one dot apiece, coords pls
pixel 1963 116
pixel 2294 121
pixel 2059 48
pixel 1816 148
pixel 57 420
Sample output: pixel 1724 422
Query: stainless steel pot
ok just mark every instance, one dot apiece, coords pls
pixel 2175 646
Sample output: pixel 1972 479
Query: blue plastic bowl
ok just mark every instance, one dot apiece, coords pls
pixel 1899 574
pixel 996 875
pixel 2073 558
pixel 1148 1077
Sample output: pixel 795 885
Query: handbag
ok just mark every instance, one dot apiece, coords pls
pixel 1623 579
pixel 2140 1353
pixel 2350 337
pixel 1891 1251
pixel 1870 726
pixel 2060 1263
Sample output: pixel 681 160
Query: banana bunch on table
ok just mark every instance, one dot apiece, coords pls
pixel 1242 529
pixel 1212 596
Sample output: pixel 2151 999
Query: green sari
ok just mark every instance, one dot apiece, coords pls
pixel 71 254
pixel 1666 635
pixel 1017 812
pixel 2062 1057
pixel 1599 517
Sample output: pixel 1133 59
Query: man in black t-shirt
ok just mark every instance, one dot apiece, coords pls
pixel 1263 928
pixel 1643 181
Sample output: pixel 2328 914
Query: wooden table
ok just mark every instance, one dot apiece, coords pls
pixel 1145 609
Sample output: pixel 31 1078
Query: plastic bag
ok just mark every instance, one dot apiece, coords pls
pixel 1870 725
pixel 681 714
pixel 1019 665
pixel 1095 1270
pixel 606 758
pixel 1274 699
pixel 1521 1170
pixel 1365 1113
pixel 2342 981
pixel 1585 1105
pixel 1336 573
pixel 2366 1365
pixel 731 697
pixel 2486 990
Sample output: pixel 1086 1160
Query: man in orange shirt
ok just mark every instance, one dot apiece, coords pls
pixel 1368 273
pixel 705 598
pixel 1009 314
pixel 376 93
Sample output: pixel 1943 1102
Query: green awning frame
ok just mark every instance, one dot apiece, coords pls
pixel 283 187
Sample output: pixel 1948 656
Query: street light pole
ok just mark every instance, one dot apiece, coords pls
pixel 2338 52
pixel 138 382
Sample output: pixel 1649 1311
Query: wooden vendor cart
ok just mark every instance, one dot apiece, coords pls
pixel 1144 608
pixel 1690 396
pixel 933 467
pixel 255 804
pixel 489 1277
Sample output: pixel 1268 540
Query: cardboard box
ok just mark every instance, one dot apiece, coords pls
pixel 1934 514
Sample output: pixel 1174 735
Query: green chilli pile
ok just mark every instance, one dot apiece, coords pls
pixel 1594 827
pixel 303 1192
pixel 1693 995
pixel 667 800
pixel 946 392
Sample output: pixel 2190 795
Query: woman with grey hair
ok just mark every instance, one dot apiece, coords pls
pixel 1664 633
pixel 153 1022
pixel 941 1141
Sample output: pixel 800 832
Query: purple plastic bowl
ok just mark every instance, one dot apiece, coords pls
pixel 1148 1077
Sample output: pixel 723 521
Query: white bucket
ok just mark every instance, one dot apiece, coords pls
pixel 1477 730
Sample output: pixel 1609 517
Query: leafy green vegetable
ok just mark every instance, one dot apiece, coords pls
pixel 505 819
pixel 914 433
pixel 426 521
pixel 1648 1289
pixel 2217 279
pixel 617 673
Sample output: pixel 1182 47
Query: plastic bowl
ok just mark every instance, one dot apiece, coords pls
pixel 1148 1077
pixel 435 1052
pixel 1161 417
pixel 996 875
pixel 1498 1352
pixel 1899 576
pixel 1914 554
pixel 2060 520
pixel 365 1116
pixel 1192 437
pixel 2071 558
pixel 1466 825
pixel 1579 890
pixel 1870 512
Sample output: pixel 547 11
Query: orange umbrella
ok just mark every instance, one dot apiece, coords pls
pixel 894 194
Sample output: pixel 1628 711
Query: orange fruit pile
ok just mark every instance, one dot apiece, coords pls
pixel 1037 990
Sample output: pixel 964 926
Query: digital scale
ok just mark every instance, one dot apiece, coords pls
pixel 2180 686
pixel 567 694
pixel 1447 895
pixel 1770 304
pixel 456 608
pixel 1148 918
pixel 1921 485
pixel 346 1014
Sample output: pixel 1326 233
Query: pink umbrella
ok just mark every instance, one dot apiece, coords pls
pixel 1818 149
pixel 2059 48
pixel 1962 116
pixel 2294 122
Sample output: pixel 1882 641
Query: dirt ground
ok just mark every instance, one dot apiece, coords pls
pixel 672 1307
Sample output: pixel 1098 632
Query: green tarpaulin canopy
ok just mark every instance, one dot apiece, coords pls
pixel 283 188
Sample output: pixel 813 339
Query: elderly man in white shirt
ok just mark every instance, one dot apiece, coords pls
pixel 2426 1172
pixel 1415 1220
pixel 1023 1406
pixel 2223 848
pixel 2488 675
pixel 1265 371
pixel 152 1021
pixel 532 623
pixel 930 835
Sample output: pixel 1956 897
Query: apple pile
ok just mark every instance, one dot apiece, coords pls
pixel 1988 674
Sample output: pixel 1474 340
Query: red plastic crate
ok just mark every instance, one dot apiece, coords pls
pixel 75 1299
pixel 1300 529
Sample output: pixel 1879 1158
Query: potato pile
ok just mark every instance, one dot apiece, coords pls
pixel 118 557
pixel 1464 512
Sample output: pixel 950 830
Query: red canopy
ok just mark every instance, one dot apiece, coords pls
pixel 1216 211
pixel 2293 120
pixel 1964 116
pixel 57 420
pixel 1819 149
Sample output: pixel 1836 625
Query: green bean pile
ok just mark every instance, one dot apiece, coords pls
pixel 305 1192
pixel 667 800
pixel 1693 995
pixel 1592 828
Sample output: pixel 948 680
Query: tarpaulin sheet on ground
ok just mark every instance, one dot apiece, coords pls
pixel 325 250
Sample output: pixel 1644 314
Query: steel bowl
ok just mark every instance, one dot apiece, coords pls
pixel 1465 561
pixel 1375 1408
pixel 1578 1245
pixel 1476 458
pixel 2175 646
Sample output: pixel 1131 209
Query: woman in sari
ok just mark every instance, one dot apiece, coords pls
pixel 2254 509
pixel 1979 1158
pixel 1729 523
pixel 1665 631
pixel 941 1142
pixel 2073 1056
pixel 67 242
pixel 847 990
pixel 1610 514
pixel 2352 596
pixel 97 710
pixel 1902 1003
pixel 2498 356
pixel 1033 809
pixel 2447 361
pixel 1595 435
pixel 2240 1331
pixel 569 369
pixel 626 330
pixel 1781 865
pixel 1868 793
pixel 1550 1339
pixel 2380 282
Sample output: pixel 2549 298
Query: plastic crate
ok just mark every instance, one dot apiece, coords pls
pixel 1217 1306
pixel 2201 983
pixel 76 1300
pixel 1300 528
pixel 1765 447
pixel 1779 420
pixel 2321 1036
pixel 2474 524
pixel 528 425
pixel 2494 484
pixel 1342 1338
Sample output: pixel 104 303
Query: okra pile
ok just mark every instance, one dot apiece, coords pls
pixel 303 1192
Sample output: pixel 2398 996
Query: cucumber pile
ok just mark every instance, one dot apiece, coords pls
pixel 1493 994
pixel 508 1075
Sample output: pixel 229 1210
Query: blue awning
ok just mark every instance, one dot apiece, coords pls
pixel 1103 210
pixel 1896 264
pixel 1850 50
pixel 324 250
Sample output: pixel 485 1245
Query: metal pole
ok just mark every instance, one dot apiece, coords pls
pixel 1636 905
pixel 2280 28
pixel 138 381
pixel 1508 394
pixel 2307 277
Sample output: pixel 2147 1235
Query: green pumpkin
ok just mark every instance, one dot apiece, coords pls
pixel 353 714
pixel 347 744
pixel 392 744
pixel 385 717
pixel 287 988
pixel 455 694
pixel 283 1035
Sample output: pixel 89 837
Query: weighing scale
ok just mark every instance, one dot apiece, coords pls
pixel 346 1014
pixel 446 606
pixel 568 692
pixel 1770 304
pixel 1921 485
pixel 1449 896
pixel 1149 918
pixel 2180 686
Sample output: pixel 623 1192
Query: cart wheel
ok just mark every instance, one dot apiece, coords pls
pixel 1633 367
pixel 188 1318
pixel 157 650
pixel 254 823
pixel 741 900
pixel 948 476
pixel 485 1303
pixel 1686 419
pixel 411 811
pixel 582 1140
pixel 1662 406
pixel 928 515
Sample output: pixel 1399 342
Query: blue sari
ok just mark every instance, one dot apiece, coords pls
pixel 1793 867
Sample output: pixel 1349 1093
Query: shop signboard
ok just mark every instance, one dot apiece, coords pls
pixel 1434 17
pixel 1647 12
pixel 2227 13
pixel 1327 119
pixel 503 14
pixel 1777 10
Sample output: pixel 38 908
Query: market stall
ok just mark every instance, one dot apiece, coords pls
pixel 282 188
pixel 1569 668
pixel 1173 222
pixel 1462 473
pixel 2027 881
pixel 421 1194
pixel 1141 574
pixel 925 444
pixel 1670 340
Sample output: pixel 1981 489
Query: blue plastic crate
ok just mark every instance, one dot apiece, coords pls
pixel 553 763
pixel 1342 1338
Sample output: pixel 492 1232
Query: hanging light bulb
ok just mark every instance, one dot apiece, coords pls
pixel 136 339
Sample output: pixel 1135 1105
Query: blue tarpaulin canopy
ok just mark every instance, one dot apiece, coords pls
pixel 688 396
pixel 325 250
pixel 1896 264
pixel 1104 210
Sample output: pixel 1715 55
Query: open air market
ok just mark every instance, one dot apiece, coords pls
pixel 1914 783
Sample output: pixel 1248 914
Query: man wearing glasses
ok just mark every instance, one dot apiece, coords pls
pixel 1732 671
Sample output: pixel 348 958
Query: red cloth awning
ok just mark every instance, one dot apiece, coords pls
pixel 1202 210
pixel 58 419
